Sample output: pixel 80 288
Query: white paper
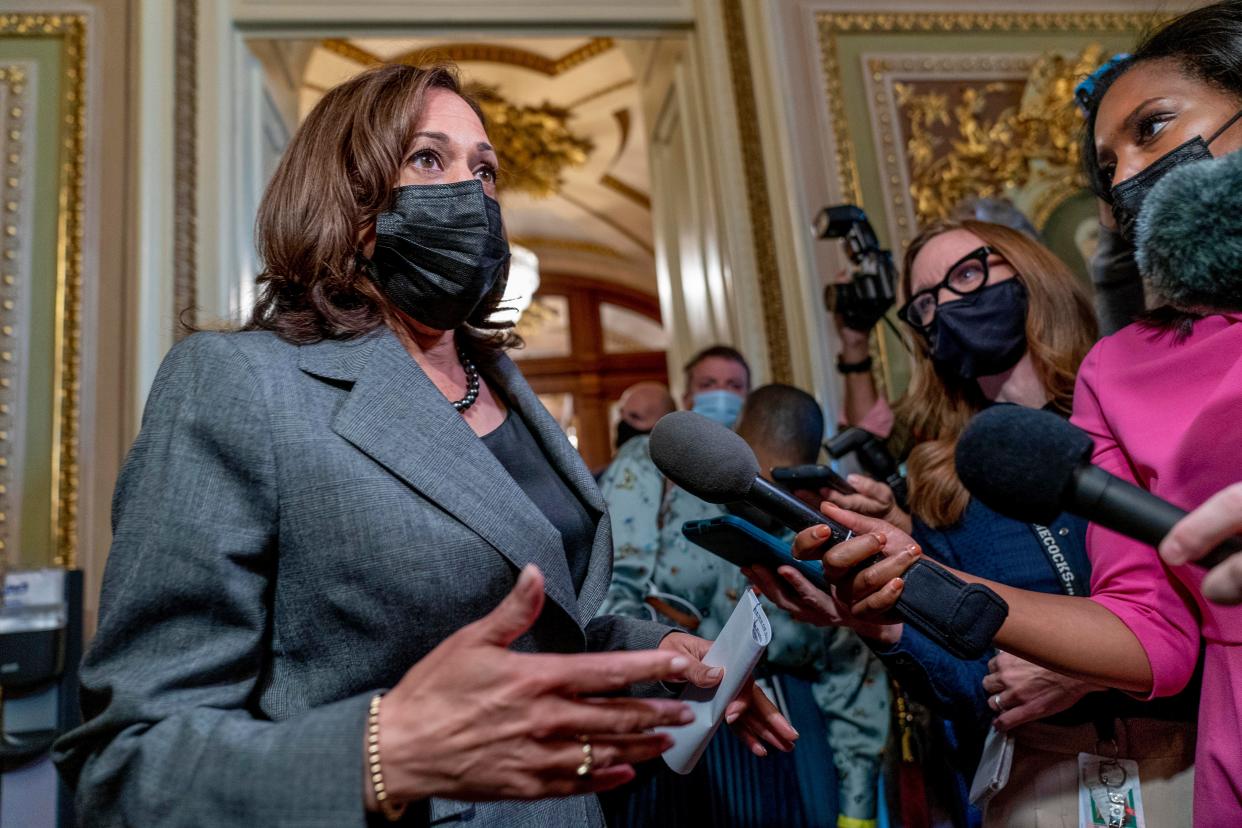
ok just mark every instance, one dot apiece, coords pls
pixel 992 775
pixel 737 649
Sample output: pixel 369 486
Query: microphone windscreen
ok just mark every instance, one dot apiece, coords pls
pixel 703 457
pixel 1021 461
pixel 1189 238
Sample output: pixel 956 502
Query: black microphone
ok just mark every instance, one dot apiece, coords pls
pixel 1033 465
pixel 716 465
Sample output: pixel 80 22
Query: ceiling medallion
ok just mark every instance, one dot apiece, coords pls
pixel 534 143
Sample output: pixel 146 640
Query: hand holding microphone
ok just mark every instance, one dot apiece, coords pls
pixel 1032 465
pixel 715 464
pixel 1197 534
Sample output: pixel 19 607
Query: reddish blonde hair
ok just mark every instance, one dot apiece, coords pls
pixel 1060 329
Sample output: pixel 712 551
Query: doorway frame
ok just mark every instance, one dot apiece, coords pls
pixel 207 63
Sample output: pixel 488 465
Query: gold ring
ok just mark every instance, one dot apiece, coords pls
pixel 588 758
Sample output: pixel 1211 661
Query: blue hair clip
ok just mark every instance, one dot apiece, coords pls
pixel 1086 92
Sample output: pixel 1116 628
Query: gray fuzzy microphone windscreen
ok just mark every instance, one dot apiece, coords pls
pixel 1190 235
pixel 703 457
pixel 1021 461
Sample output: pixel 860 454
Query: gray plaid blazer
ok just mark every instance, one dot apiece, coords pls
pixel 294 528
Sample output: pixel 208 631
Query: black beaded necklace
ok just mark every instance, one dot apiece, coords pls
pixel 472 383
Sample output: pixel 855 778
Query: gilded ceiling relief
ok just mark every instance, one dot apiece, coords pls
pixel 534 143
pixel 1016 140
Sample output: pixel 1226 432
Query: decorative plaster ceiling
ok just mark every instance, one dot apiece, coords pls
pixel 599 222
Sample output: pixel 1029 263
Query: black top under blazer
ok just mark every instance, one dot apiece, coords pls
pixel 294 527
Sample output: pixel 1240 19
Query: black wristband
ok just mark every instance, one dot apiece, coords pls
pixel 861 367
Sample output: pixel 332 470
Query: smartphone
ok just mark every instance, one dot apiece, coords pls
pixel 743 544
pixel 812 478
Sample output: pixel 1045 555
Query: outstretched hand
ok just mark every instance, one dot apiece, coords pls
pixel 474 720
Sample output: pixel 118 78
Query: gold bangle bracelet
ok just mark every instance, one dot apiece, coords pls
pixel 391 811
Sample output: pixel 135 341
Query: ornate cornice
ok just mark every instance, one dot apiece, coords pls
pixel 478 52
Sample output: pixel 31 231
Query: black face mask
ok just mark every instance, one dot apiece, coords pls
pixel 438 251
pixel 982 333
pixel 1129 195
pixel 627 432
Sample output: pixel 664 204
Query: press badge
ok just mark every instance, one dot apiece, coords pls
pixel 1108 793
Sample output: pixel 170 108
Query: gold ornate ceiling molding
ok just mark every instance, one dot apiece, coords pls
pixel 903 163
pixel 480 53
pixel 626 191
pixel 832 24
pixel 70 29
pixel 533 143
pixel 995 145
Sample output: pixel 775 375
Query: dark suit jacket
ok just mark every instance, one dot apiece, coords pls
pixel 293 529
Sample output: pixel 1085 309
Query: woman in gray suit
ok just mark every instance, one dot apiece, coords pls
pixel 360 492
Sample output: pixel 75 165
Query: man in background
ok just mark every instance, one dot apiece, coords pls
pixel 641 407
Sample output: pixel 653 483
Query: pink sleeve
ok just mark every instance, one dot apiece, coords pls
pixel 1128 577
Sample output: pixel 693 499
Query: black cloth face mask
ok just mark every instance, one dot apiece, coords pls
pixel 982 333
pixel 1129 195
pixel 627 432
pixel 439 250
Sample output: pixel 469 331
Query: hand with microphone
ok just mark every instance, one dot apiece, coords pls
pixel 715 464
pixel 1198 534
pixel 1032 465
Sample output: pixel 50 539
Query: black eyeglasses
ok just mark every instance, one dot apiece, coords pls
pixel 964 278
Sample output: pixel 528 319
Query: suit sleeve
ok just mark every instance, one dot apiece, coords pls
pixel 171 682
pixel 1128 577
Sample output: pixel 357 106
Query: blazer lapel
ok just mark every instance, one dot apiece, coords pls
pixel 569 464
pixel 396 415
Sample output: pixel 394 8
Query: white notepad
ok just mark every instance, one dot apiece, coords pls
pixel 737 649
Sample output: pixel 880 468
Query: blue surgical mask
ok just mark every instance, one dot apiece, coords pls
pixel 721 406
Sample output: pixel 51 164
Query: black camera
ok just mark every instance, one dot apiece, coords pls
pixel 872 290
pixel 873 457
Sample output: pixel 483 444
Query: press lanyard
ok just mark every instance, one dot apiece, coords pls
pixel 1056 559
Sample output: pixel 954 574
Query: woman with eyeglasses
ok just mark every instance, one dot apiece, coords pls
pixel 995 318
pixel 1160 399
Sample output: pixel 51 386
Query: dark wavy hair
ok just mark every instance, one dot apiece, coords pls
pixel 335 177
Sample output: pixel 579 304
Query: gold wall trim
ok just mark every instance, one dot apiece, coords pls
pixel 71 30
pixel 626 191
pixel 16 118
pixel 757 200
pixel 478 52
pixel 185 168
